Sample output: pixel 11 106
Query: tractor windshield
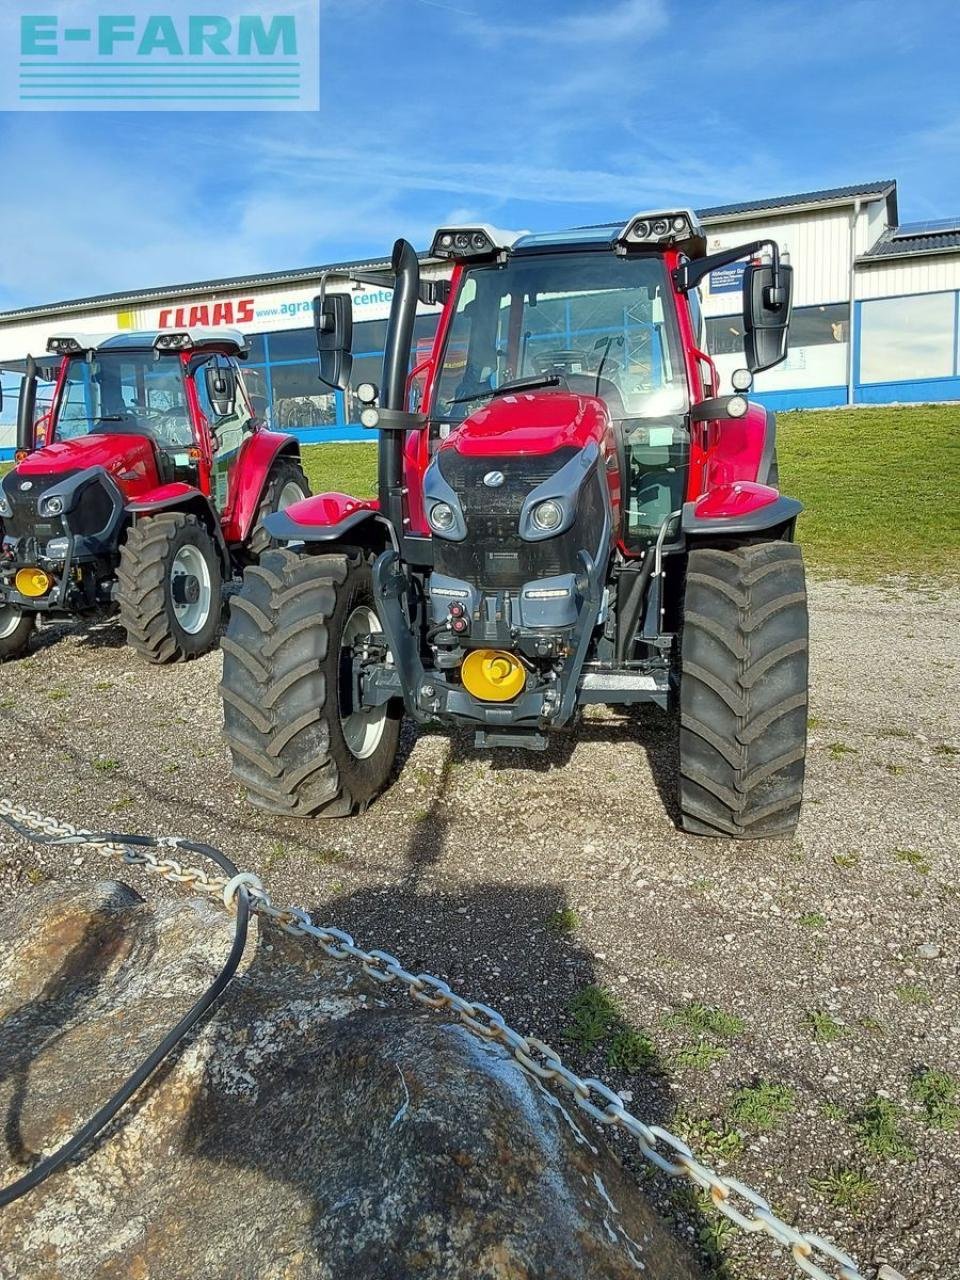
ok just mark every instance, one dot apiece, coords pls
pixel 134 391
pixel 596 322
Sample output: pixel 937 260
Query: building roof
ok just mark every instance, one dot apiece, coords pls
pixel 229 284
pixel 914 239
pixel 829 195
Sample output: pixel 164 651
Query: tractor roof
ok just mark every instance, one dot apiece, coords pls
pixel 230 341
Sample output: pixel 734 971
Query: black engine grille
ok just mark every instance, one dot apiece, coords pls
pixel 494 556
pixel 25 521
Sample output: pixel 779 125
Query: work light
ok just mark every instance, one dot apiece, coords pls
pixel 472 243
pixel 547 516
pixel 442 517
pixel 63 346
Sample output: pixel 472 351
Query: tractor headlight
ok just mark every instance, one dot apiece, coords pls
pixel 442 517
pixel 52 506
pixel 5 507
pixel 547 516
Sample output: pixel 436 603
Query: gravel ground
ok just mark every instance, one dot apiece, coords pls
pixel 829 963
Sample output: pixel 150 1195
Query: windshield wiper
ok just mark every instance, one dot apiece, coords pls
pixel 515 384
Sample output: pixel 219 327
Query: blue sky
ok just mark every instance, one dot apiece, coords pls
pixel 537 115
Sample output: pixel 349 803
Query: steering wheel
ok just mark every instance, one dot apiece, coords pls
pixel 164 423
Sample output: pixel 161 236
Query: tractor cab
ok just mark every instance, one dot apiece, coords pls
pixel 174 399
pixel 580 318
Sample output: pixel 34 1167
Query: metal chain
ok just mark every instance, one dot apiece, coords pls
pixel 734 1199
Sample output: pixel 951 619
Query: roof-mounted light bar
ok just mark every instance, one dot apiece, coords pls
pixel 678 228
pixel 173 342
pixel 61 345
pixel 472 244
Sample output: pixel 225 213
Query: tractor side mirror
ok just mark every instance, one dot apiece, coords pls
pixel 766 314
pixel 333 324
pixel 221 380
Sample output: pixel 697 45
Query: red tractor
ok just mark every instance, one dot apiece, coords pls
pixel 144 488
pixel 571 514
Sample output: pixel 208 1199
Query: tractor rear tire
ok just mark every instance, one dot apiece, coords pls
pixel 16 628
pixel 743 691
pixel 285 686
pixel 160 552
pixel 285 476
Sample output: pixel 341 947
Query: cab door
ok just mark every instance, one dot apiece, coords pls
pixel 226 434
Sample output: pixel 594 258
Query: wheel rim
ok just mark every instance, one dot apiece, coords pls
pixel 191 615
pixel 362 727
pixel 9 620
pixel 289 494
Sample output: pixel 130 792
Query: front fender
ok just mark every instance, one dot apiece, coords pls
pixel 329 517
pixel 186 498
pixel 741 508
pixel 250 470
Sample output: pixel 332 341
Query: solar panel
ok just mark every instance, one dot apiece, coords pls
pixel 908 229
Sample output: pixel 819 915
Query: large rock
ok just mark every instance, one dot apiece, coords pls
pixel 308 1130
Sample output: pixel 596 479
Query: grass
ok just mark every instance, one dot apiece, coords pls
pixel 914 858
pixel 913 993
pixel 825 1028
pixel 760 1105
pixel 593 1014
pixel 706 1020
pixel 838 750
pixel 845 1189
pixel 938 1095
pixel 563 921
pixel 632 1052
pixel 699 1056
pixel 857 523
pixel 813 920
pixel 877 1124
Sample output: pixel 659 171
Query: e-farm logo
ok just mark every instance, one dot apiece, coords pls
pixel 176 55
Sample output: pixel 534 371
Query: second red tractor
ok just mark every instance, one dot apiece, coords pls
pixel 143 490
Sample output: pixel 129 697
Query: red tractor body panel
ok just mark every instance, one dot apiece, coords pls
pixel 248 477
pixel 166 495
pixel 525 423
pixel 128 459
pixel 328 509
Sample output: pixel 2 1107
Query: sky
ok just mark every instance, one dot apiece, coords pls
pixel 534 114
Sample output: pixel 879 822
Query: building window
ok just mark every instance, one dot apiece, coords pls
pixel 909 338
pixel 820 326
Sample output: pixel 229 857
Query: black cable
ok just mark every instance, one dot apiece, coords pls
pixel 98 1122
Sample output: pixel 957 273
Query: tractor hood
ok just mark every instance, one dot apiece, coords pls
pixel 531 423
pixel 128 458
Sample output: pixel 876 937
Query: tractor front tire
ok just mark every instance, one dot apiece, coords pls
pixel 286 484
pixel 170 587
pixel 743 691
pixel 298 744
pixel 16 628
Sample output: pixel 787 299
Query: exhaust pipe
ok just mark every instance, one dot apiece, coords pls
pixel 26 409
pixel 396 365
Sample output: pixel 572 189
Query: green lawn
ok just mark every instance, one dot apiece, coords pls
pixel 881 487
